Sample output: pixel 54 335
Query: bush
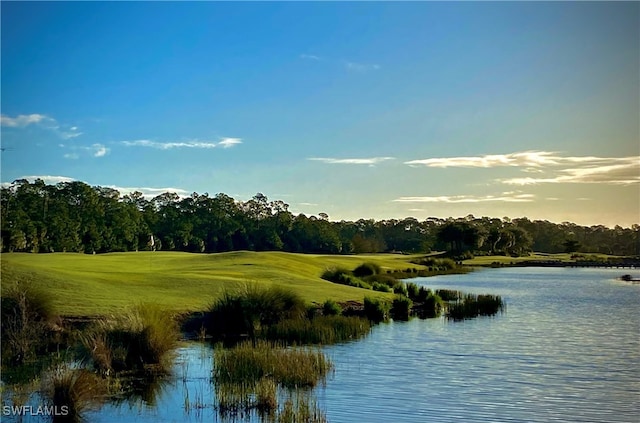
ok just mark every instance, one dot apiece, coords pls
pixel 390 281
pixel 331 308
pixel 375 309
pixel 337 275
pixel 412 290
pixel 401 307
pixel 247 311
pixel 366 269
pixel 27 315
pixel 449 294
pixel 73 390
pixel 381 287
pixel 145 336
pixel 319 330
pixel 401 289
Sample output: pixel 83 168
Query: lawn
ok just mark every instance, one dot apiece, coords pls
pixel 90 285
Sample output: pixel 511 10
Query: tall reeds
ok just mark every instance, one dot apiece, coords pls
pixel 475 305
pixel 143 337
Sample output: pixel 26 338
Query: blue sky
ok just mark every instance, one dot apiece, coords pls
pixel 359 110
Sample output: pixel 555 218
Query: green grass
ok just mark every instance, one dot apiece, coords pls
pixel 102 284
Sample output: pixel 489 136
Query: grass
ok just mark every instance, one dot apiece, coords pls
pixel 103 284
pixel 561 257
pixel 248 363
pixel 319 330
pixel 73 392
pixel 143 337
pixel 475 305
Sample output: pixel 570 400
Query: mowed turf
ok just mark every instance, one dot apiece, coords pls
pixel 91 285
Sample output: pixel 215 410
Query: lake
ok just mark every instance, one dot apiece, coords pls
pixel 567 349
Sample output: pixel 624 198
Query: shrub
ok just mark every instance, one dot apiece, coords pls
pixel 381 287
pixel 73 390
pixel 145 336
pixel 390 281
pixel 366 269
pixel 336 274
pixel 319 330
pixel 375 309
pixel 247 311
pixel 401 307
pixel 401 289
pixel 331 308
pixel 412 290
pixel 27 315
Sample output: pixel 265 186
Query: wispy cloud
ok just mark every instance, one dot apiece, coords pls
pixel 361 67
pixel 348 64
pixel 229 142
pixel 551 167
pixel 21 121
pixel 63 131
pixel 507 198
pixel 99 150
pixel 71 156
pixel 224 143
pixel 310 57
pixel 149 192
pixel 365 161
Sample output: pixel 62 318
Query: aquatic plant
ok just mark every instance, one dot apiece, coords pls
pixel 319 330
pixel 449 294
pixel 475 305
pixel 331 308
pixel 72 392
pixel 300 410
pixel 27 318
pixel 245 312
pixel 401 307
pixel 249 362
pixel 143 336
pixel 376 310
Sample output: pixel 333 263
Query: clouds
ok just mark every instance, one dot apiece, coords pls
pixel 347 64
pixel 366 161
pixel 94 150
pixel 508 197
pixel 224 143
pixel 22 121
pixel 550 166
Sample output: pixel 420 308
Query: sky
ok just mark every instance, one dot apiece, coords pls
pixel 358 110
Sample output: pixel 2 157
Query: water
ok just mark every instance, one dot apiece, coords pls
pixel 567 350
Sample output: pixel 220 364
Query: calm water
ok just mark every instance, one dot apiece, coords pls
pixel 567 350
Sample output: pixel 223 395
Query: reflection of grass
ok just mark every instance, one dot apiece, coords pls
pixel 83 284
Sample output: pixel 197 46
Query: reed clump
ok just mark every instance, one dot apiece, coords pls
pixel 376 310
pixel 27 320
pixel 72 392
pixel 401 308
pixel 300 410
pixel 143 337
pixel 248 311
pixel 324 330
pixel 475 305
pixel 249 362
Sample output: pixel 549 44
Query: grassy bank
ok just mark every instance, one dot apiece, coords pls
pixel 92 285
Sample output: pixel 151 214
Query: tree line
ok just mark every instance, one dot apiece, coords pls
pixel 75 217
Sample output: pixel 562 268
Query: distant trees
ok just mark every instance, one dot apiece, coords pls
pixel 75 217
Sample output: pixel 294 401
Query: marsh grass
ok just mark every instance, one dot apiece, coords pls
pixel 319 330
pixel 331 308
pixel 401 308
pixel 245 312
pixel 248 376
pixel 300 410
pixel 141 338
pixel 476 305
pixel 376 310
pixel 77 390
pixel 249 362
pixel 27 319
